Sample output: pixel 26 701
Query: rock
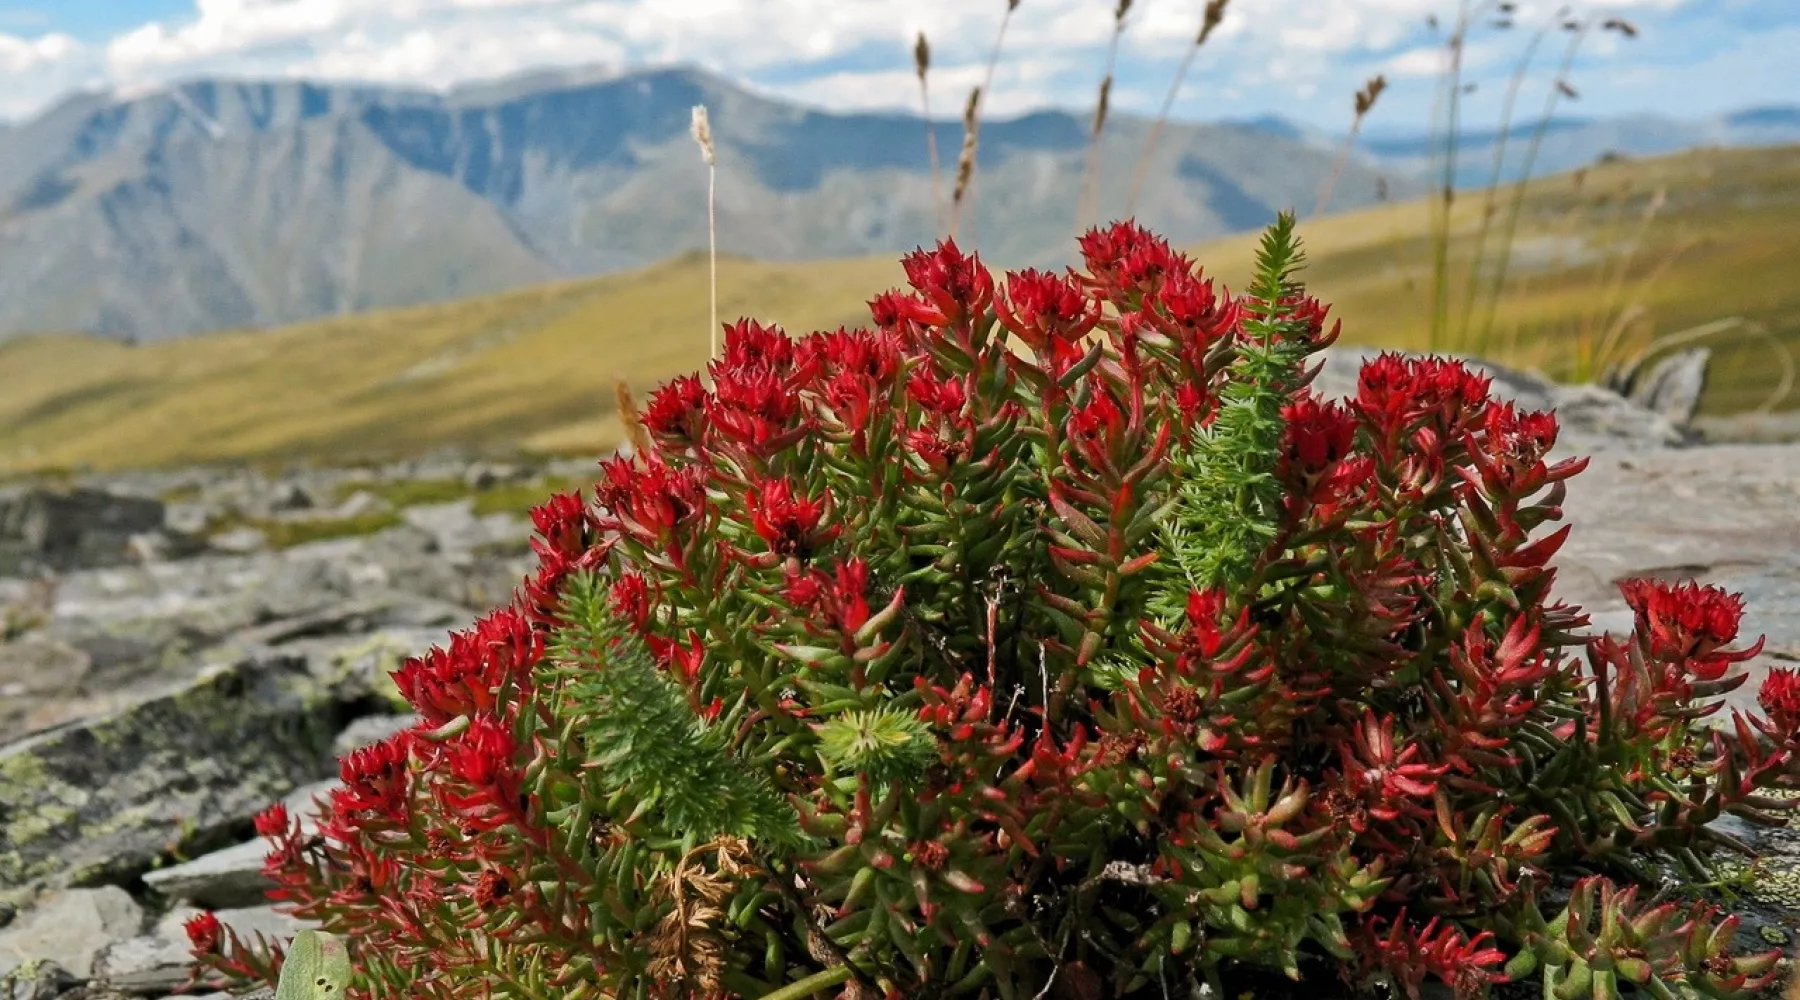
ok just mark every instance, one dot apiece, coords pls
pixel 487 475
pixel 82 527
pixel 1723 514
pixel 145 966
pixel 239 539
pixel 362 503
pixel 368 730
pixel 40 979
pixel 233 877
pixel 291 496
pixel 247 922
pixel 103 799
pixel 1673 385
pixel 71 928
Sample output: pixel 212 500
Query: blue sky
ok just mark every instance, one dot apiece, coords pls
pixel 1298 58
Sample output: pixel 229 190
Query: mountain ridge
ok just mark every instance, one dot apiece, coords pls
pixel 217 203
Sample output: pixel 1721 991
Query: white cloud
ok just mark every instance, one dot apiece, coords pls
pixel 838 53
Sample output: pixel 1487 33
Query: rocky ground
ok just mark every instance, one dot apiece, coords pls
pixel 178 649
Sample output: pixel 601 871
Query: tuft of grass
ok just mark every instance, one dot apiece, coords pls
pixel 283 534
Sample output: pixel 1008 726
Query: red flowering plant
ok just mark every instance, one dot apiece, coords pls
pixel 1050 637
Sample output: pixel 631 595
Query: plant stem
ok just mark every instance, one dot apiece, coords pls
pixel 1537 141
pixel 1490 201
pixel 811 984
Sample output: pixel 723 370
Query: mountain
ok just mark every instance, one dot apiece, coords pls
pixel 1569 143
pixel 230 204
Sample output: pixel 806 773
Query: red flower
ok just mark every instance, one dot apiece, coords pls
pixel 1395 392
pixel 841 597
pixel 1050 313
pixel 562 525
pixel 753 407
pixel 787 522
pixel 1203 609
pixel 204 933
pixel 1318 435
pixel 631 599
pixel 1779 697
pixel 749 344
pixel 273 822
pixel 1127 261
pixel 957 287
pixel 377 783
pixel 465 678
pixel 1198 316
pixel 1391 779
pixel 677 410
pixel 648 500
pixel 1683 621
pixel 1096 430
pixel 484 757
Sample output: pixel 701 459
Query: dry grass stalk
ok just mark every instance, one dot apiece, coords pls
pixel 701 129
pixel 965 164
pixel 686 945
pixel 635 431
pixel 1209 22
pixel 965 161
pixel 1365 102
pixel 1490 206
pixel 1088 205
pixel 922 65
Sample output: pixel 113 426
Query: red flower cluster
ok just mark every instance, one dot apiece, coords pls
pixel 939 586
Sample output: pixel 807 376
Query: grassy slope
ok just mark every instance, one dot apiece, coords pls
pixel 533 368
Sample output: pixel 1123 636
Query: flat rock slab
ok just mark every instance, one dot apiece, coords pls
pixel 70 928
pixel 233 877
pixel 102 800
pixel 1727 515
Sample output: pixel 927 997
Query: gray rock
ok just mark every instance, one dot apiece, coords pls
pixel 249 923
pixel 362 503
pixel 81 527
pixel 41 979
pixel 233 877
pixel 103 799
pixel 369 730
pixel 1673 385
pixel 1727 515
pixel 70 928
pixel 150 965
pixel 240 539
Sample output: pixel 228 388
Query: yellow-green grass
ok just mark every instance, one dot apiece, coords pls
pixel 532 369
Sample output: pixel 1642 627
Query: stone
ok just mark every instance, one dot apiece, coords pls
pixel 370 729
pixel 103 799
pixel 233 877
pixel 40 979
pixel 239 539
pixel 247 922
pixel 150 965
pixel 58 530
pixel 1727 515
pixel 1673 385
pixel 71 928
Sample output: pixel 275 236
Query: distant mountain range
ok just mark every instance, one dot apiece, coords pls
pixel 216 204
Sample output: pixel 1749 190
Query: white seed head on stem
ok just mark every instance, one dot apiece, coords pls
pixel 701 129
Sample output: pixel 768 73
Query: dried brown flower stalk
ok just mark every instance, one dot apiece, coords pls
pixel 922 65
pixel 1209 22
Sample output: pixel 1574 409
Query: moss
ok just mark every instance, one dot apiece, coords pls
pixel 406 492
pixel 519 498
pixel 284 534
